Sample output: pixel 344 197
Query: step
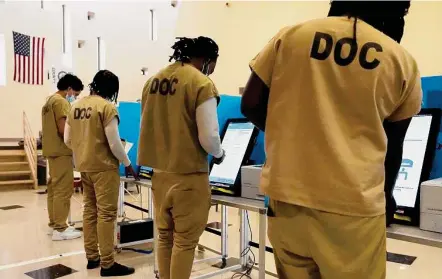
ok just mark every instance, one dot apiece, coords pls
pixel 16 182
pixel 14 173
pixel 12 155
pixel 13 166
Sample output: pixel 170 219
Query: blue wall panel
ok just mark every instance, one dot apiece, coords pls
pixel 230 108
pixel 130 127
pixel 432 98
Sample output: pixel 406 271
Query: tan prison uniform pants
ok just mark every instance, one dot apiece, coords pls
pixel 311 244
pixel 182 204
pixel 60 190
pixel 100 197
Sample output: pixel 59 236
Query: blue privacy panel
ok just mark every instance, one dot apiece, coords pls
pixel 432 89
pixel 230 107
pixel 129 128
pixel 432 98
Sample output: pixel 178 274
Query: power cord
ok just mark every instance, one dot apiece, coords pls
pixel 246 273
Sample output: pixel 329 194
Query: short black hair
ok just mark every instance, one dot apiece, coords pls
pixel 70 81
pixel 106 84
pixel 187 48
pixel 386 16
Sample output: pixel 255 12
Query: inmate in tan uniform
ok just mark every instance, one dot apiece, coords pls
pixel 99 173
pixel 169 144
pixel 325 144
pixel 59 156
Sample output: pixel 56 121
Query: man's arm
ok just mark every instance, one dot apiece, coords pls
pixel 67 134
pixel 61 110
pixel 113 137
pixel 396 126
pixel 61 123
pixel 255 100
pixel 256 93
pixel 208 128
pixel 395 132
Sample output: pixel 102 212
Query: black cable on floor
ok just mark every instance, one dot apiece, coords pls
pixel 246 273
pixel 147 252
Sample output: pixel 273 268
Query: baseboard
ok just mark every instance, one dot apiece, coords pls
pixel 9 144
pixel 10 139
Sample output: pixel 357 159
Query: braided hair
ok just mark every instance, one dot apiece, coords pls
pixel 106 85
pixel 386 16
pixel 202 47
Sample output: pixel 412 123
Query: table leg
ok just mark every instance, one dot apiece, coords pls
pixel 150 203
pixel 244 237
pixel 155 233
pixel 141 204
pixel 224 234
pixel 120 211
pixel 262 244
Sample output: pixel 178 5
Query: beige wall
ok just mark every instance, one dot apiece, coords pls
pixel 124 27
pixel 243 28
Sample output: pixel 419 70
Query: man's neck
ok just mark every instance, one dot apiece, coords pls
pixel 62 93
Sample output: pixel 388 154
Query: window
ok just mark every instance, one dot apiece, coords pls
pixel 63 28
pixel 101 54
pixel 153 26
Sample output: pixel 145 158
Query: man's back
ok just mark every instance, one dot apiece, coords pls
pixel 87 119
pixel 169 133
pixel 329 96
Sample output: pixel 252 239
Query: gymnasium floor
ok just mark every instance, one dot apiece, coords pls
pixel 25 247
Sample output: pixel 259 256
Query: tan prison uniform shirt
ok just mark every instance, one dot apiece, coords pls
pixel 324 140
pixel 87 119
pixel 169 133
pixel 55 108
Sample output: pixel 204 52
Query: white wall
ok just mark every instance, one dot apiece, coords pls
pixel 124 27
pixel 242 29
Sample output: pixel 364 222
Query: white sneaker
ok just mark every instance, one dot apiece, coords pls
pixel 51 230
pixel 71 229
pixel 66 235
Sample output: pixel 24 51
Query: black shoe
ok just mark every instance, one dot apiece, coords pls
pixel 117 270
pixel 93 264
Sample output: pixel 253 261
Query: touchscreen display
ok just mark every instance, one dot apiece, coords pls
pixel 415 145
pixel 235 143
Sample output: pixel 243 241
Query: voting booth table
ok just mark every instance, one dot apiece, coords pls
pixel 235 183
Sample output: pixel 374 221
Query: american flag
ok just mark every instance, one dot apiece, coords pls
pixel 28 59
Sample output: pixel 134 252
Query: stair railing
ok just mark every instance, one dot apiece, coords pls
pixel 30 147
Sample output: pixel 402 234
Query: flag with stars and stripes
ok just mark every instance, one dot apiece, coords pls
pixel 28 59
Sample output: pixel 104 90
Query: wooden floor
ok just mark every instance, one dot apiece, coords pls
pixel 25 247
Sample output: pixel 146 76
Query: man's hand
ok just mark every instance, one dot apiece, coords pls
pixel 130 172
pixel 390 211
pixel 219 160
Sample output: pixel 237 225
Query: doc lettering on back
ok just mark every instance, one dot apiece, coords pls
pixel 82 113
pixel 337 51
pixel 164 86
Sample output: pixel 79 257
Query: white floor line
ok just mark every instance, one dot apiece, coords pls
pixel 8 266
